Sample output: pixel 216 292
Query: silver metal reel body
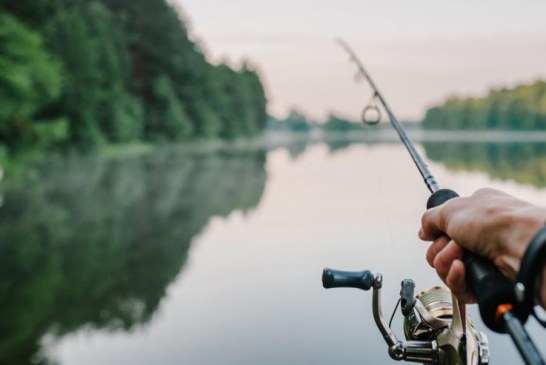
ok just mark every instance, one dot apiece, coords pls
pixel 434 330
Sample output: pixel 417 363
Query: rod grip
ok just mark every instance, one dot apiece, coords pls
pixel 439 197
pixel 489 286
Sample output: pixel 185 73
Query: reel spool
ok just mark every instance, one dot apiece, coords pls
pixel 433 313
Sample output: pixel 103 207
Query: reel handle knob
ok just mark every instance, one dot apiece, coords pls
pixel 490 287
pixel 347 279
pixel 407 296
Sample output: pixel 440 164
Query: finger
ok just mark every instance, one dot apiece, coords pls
pixel 436 246
pixel 443 260
pixel 435 220
pixel 433 223
pixel 456 281
pixel 430 223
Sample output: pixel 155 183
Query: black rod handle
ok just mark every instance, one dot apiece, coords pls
pixel 347 279
pixel 490 287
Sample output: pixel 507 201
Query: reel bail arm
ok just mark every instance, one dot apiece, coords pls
pixel 411 350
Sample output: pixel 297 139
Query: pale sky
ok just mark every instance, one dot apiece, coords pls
pixel 419 51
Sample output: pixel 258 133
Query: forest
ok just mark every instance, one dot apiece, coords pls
pixel 520 108
pixel 81 74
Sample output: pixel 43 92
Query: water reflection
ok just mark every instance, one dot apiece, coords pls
pixel 523 162
pixel 95 241
pixel 505 156
pixel 338 145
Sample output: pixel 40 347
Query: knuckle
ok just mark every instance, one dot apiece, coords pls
pixel 484 191
pixel 441 264
pixel 425 218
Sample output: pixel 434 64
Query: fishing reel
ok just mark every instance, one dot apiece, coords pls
pixel 436 329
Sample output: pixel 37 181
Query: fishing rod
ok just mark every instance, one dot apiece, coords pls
pixel 436 326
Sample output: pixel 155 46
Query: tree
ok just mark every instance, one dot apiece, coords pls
pixel 207 123
pixel 130 70
pixel 167 119
pixel 522 107
pixel 30 78
pixel 119 113
pixel 69 36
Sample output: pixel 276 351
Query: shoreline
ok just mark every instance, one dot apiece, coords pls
pixel 417 135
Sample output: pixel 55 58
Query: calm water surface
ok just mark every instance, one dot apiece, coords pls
pixel 215 257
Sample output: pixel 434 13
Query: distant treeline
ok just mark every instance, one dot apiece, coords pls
pixel 297 121
pixel 519 108
pixel 86 72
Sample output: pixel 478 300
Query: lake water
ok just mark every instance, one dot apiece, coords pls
pixel 214 256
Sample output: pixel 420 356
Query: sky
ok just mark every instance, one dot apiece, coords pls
pixel 419 52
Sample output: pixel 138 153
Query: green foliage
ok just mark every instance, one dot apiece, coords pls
pixel 130 71
pixel 224 92
pixel 51 133
pixel 339 124
pixel 258 98
pixel 167 119
pixel 29 79
pixel 218 100
pixel 520 108
pixel 120 113
pixel 82 72
pixel 207 123
pixel 127 118
pixel 96 98
pixel 296 121
pixel 250 100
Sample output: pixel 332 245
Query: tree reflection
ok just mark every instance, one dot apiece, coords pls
pixel 523 162
pixel 338 145
pixel 95 241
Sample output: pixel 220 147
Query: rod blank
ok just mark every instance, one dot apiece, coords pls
pixel 429 179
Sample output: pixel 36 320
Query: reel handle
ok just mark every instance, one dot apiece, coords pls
pixel 490 287
pixel 347 279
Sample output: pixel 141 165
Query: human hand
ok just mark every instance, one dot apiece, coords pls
pixel 489 223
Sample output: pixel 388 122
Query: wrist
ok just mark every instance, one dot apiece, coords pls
pixel 519 228
pixel 541 288
pixel 532 275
